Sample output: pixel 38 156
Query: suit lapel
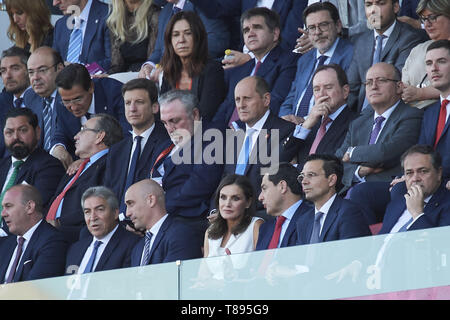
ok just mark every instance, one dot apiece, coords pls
pixel 27 254
pixel 364 131
pixel 91 30
pixel 160 235
pixel 329 219
pixel 264 134
pixel 269 63
pixel 112 244
pixel 391 122
pixel 9 245
pixel 84 245
pixel 5 166
pixel 393 38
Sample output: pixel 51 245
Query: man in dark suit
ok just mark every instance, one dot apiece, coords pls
pixel 166 238
pixel 426 203
pixel 109 245
pixel 281 195
pixel 81 98
pixel 44 65
pixel 261 31
pixel 35 249
pixel 375 141
pixel 93 141
pixel 123 168
pixel 28 163
pixel 324 26
pixel 13 70
pixel 332 218
pixel 326 126
pixel 390 41
pixel 90 22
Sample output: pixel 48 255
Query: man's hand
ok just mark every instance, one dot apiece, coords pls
pixel 415 200
pixel 365 171
pixel 395 181
pixel 74 166
pixel 410 93
pixel 448 185
pixel 304 44
pixel 346 157
pixel 59 152
pixel 54 223
pixel 321 108
pixel 294 119
pixel 238 59
pixel 413 22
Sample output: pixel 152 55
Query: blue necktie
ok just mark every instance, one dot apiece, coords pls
pixel 47 112
pixel 378 49
pixel 132 172
pixel 175 10
pixel 75 44
pixel 316 229
pixel 18 102
pixel 146 258
pixel 303 109
pixel 90 263
pixel 402 229
pixel 244 154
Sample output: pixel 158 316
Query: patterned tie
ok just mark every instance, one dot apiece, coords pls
pixel 276 234
pixel 376 130
pixel 441 121
pixel 316 229
pixel 245 153
pixel 175 10
pixel 146 258
pixel 303 109
pixel 51 215
pixel 47 112
pixel 91 261
pixel 12 181
pixel 320 134
pixel 20 242
pixel 378 49
pixel 132 171
pixel 18 102
pixel 75 45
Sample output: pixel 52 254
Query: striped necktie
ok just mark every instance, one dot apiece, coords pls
pixel 47 113
pixel 75 45
pixel 147 239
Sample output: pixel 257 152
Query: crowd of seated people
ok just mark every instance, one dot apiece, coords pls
pixel 283 143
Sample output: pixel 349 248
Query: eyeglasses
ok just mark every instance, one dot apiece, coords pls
pixel 84 129
pixel 383 81
pixel 309 176
pixel 323 26
pixel 41 71
pixel 431 18
pixel 76 101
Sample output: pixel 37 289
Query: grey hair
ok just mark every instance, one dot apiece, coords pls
pixel 101 192
pixel 189 100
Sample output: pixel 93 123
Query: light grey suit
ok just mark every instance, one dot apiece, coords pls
pixel 402 39
pixel 400 132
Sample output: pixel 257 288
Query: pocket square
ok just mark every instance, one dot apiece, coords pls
pixel 28 261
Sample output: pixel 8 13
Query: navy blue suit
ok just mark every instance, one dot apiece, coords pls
pixel 174 241
pixel 119 155
pixel 290 237
pixel 305 69
pixel 343 221
pixel 44 256
pixel 96 41
pixel 108 99
pixel 436 212
pixel 116 255
pixel 41 170
pixel 278 69
pixel 428 135
pixel 6 103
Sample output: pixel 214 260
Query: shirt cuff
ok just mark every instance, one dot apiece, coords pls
pixel 300 132
pixel 361 179
pixel 53 148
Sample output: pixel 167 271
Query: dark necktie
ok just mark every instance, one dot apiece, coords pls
pixel 277 232
pixel 320 134
pixel 20 242
pixel 175 10
pixel 404 227
pixel 132 172
pixel 18 102
pixel 441 121
pixel 376 130
pixel 91 261
pixel 146 258
pixel 47 113
pixel 316 229
pixel 303 109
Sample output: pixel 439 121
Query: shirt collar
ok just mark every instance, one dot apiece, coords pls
pixel 180 4
pixel 288 214
pixel 442 98
pixel 155 228
pixel 84 15
pixel 387 33
pixel 329 53
pixel 387 113
pixel 336 114
pixel 144 134
pixel 326 206
pixel 27 235
pixel 260 123
pixel 13 159
pixel 106 238
pixel 98 155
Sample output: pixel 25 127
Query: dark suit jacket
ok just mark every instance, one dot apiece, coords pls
pixel 119 155
pixel 116 255
pixel 399 133
pixel 305 68
pixel 6 103
pixel 436 212
pixel 44 256
pixel 253 168
pixel 403 38
pixel 72 216
pixel 290 237
pixel 278 69
pixel 208 87
pixel 174 241
pixel 343 221
pixel 108 99
pixel 41 170
pixel 96 41
pixel 428 136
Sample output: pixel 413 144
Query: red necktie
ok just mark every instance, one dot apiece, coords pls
pixel 258 64
pixel 161 155
pixel 320 134
pixel 51 215
pixel 276 234
pixel 441 122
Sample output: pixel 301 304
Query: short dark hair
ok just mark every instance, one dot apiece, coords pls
pixel 73 74
pixel 438 44
pixel 322 6
pixel 111 127
pixel 26 112
pixel 287 172
pixel 341 75
pixel 271 18
pixel 144 84
pixel 261 85
pixel 436 159
pixel 17 52
pixel 331 165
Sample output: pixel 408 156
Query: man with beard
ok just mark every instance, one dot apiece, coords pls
pixel 28 163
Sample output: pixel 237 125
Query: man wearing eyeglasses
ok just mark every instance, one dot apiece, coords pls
pixel 323 28
pixel 386 40
pixel 375 141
